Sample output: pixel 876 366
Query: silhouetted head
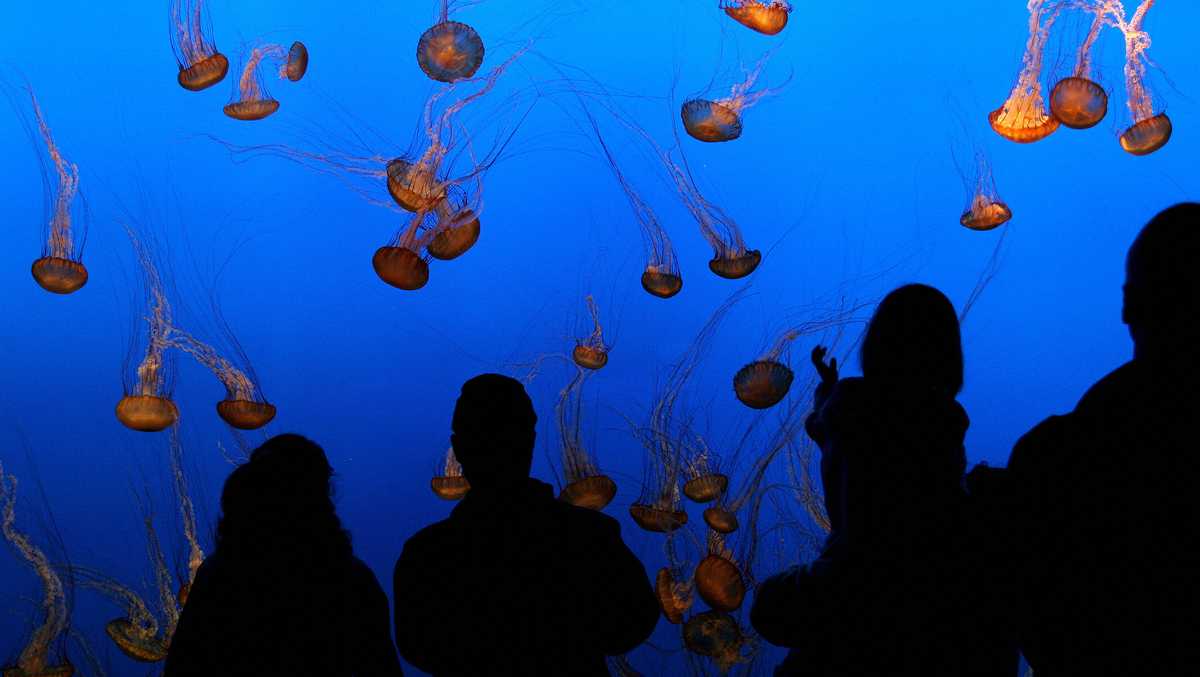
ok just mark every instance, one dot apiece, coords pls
pixel 1162 284
pixel 913 343
pixel 494 430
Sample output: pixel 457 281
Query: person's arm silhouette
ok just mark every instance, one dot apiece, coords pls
pixel 424 620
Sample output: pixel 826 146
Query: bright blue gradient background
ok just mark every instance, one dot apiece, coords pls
pixel 847 173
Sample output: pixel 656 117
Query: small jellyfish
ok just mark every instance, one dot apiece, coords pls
pixel 413 185
pixel 715 635
pixel 704 484
pixel 719 581
pixel 251 101
pixel 674 596
pixel 721 119
pixel 147 405
pixel 1078 101
pixel 401 262
pixel 1149 131
pixel 297 62
pixel 449 50
pixel 244 406
pixel 985 210
pixel 768 17
pixel 450 484
pixel 720 519
pixel 457 228
pixel 591 352
pixel 200 64
pixel 586 486
pixel 1023 118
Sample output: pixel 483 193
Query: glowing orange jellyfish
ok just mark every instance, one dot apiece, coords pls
pixel 449 50
pixel 1023 118
pixel 450 484
pixel 985 210
pixel 457 228
pixel 1078 101
pixel 765 16
pixel 36 659
pixel 147 405
pixel 718 579
pixel 200 64
pixel 715 635
pixel 244 406
pixel 765 382
pixel 586 486
pixel 1149 131
pixel 251 101
pixel 591 352
pixel 60 268
pixel 674 596
pixel 403 262
pixel 721 119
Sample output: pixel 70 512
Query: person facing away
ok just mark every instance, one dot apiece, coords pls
pixel 902 585
pixel 283 593
pixel 515 581
pixel 1105 499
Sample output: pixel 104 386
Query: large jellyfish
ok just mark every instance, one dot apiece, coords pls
pixel 1149 131
pixel 244 407
pixel 1023 118
pixel 762 383
pixel 591 352
pixel 586 486
pixel 985 210
pixel 450 50
pixel 38 658
pixel 675 596
pixel 715 635
pixel 403 262
pixel 1078 101
pixel 147 405
pixel 251 100
pixel 719 580
pixel 765 16
pixel 450 483
pixel 457 228
pixel 200 64
pixel 60 268
pixel 721 119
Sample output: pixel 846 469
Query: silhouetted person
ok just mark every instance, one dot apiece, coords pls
pixel 901 586
pixel 283 593
pixel 515 581
pixel 1106 496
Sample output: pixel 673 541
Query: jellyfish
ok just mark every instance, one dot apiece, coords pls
pixel 38 658
pixel 715 635
pixel 449 50
pixel 1078 101
pixel 244 407
pixel 450 484
pixel 764 382
pixel 457 228
pixel 147 405
pixel 591 352
pixel 985 210
pixel 403 262
pixel 200 64
pixel 1023 118
pixel 251 101
pixel 721 119
pixel 586 486
pixel 704 484
pixel 1149 131
pixel 718 579
pixel 674 595
pixel 60 268
pixel 768 17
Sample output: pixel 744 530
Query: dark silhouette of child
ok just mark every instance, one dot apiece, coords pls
pixel 902 585
pixel 283 593
pixel 515 581
pixel 1106 505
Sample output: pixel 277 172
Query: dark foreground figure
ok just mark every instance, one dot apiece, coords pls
pixel 283 594
pixel 904 585
pixel 1107 497
pixel 514 581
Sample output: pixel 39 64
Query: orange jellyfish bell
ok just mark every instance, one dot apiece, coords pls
pixel 1147 136
pixel 768 17
pixel 134 643
pixel 720 520
pixel 673 605
pixel 706 487
pixel 716 635
pixel 450 51
pixel 297 62
pixel 456 238
pixel 589 357
pixel 661 284
pixel 762 384
pixel 413 187
pixel 204 73
pixel 401 267
pixel 720 583
pixel 59 275
pixel 255 109
pixel 245 414
pixel 736 267
pixel 147 413
pixel 657 520
pixel 1028 128
pixel 593 493
pixel 985 214
pixel 1078 103
pixel 450 488
pixel 710 121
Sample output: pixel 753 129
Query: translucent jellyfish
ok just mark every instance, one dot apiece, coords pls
pixel 37 658
pixel 457 228
pixel 244 407
pixel 718 579
pixel 674 596
pixel 1150 131
pixel 450 484
pixel 1023 118
pixel 60 268
pixel 715 635
pixel 1078 101
pixel 251 101
pixel 450 50
pixel 721 119
pixel 586 486
pixel 147 405
pixel 985 210
pixel 704 484
pixel 591 352
pixel 200 64
pixel 765 16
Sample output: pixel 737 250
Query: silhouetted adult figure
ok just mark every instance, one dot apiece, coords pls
pixel 1106 496
pixel 283 593
pixel 901 586
pixel 515 581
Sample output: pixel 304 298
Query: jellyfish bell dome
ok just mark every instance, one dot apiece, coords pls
pixel 720 520
pixel 1022 128
pixel 762 384
pixel 135 643
pixel 710 121
pixel 449 51
pixel 720 584
pixel 589 357
pixel 985 214
pixel 706 487
pixel 1078 103
pixel 713 634
pixel 59 275
pixel 657 520
pixel 455 239
pixel 204 73
pixel 401 268
pixel 736 267
pixel 147 413
pixel 768 17
pixel 413 187
pixel 593 493
pixel 672 607
pixel 662 285
pixel 245 414
pixel 1147 136
pixel 253 109
pixel 450 488
pixel 297 62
